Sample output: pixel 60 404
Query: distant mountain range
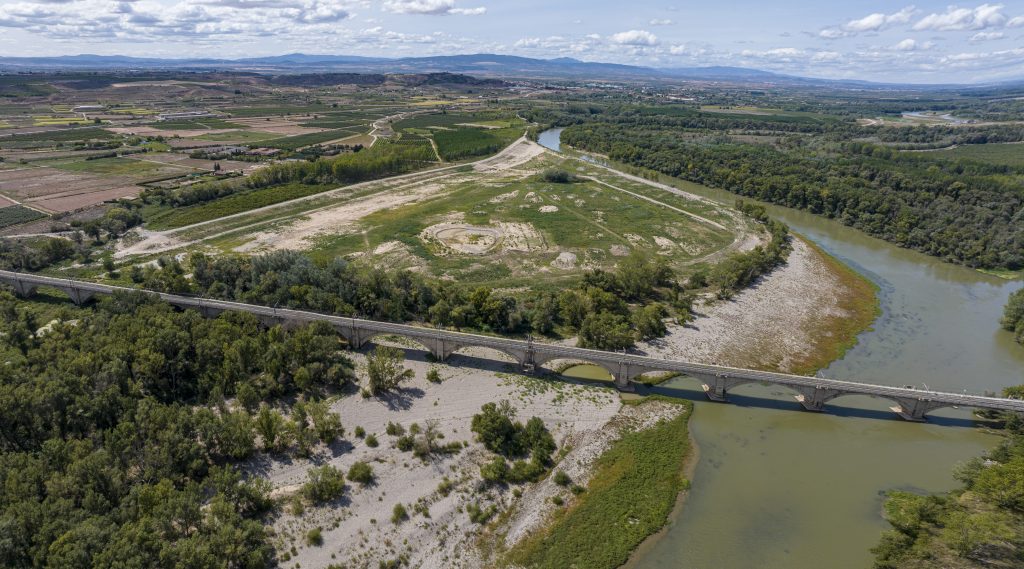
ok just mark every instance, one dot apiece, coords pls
pixel 489 65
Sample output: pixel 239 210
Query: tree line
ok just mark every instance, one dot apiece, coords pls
pixel 379 161
pixel 964 212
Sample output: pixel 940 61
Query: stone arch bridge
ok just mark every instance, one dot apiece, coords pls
pixel 812 392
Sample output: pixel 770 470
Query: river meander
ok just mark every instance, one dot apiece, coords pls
pixel 776 487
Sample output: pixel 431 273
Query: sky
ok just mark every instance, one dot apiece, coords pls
pixel 924 42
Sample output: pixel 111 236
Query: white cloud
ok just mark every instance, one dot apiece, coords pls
pixel 661 22
pixel 987 36
pixel 955 19
pixel 1015 22
pixel 912 45
pixel 430 7
pixel 875 22
pixel 833 33
pixel 878 21
pixel 478 11
pixel 635 37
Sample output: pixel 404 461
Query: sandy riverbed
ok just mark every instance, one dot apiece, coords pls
pixel 768 326
pixel 358 530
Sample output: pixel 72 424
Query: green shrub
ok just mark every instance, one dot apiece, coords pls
pixel 479 515
pixel 361 472
pixel 561 478
pixel 398 514
pixel 324 483
pixel 314 537
pixel 371 440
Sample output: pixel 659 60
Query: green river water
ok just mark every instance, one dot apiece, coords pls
pixel 777 487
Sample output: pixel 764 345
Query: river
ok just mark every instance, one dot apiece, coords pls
pixel 777 488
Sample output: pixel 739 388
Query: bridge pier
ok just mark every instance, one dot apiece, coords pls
pixel 77 295
pixel 915 409
pixel 440 348
pixel 716 387
pixel 21 289
pixel 814 399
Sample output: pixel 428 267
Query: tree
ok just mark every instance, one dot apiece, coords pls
pixel 385 369
pixel 495 429
pixel 271 427
pixel 494 471
pixel 1013 315
pixel 236 438
pixel 605 331
pixel 361 472
pixel 326 423
pixel 323 484
pixel 649 321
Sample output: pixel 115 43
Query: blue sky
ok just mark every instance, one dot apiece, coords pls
pixel 924 42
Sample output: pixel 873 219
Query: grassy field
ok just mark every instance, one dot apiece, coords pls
pixel 633 490
pixel 111 166
pixel 229 205
pixel 1001 154
pixel 15 214
pixel 586 219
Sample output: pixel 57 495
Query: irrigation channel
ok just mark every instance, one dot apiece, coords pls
pixel 782 490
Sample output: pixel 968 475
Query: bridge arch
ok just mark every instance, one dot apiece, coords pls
pixel 909 408
pixel 365 337
pixel 542 361
pixel 517 358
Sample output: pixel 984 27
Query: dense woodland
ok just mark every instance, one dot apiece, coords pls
pixel 116 447
pixel 981 524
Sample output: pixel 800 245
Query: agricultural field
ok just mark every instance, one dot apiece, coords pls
pixel 197 124
pixel 52 136
pixel 467 142
pixel 112 166
pixel 1009 154
pixel 60 121
pixel 237 136
pixel 15 214
pixel 172 218
pixel 302 140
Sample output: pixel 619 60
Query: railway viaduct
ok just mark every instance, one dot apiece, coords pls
pixel 812 392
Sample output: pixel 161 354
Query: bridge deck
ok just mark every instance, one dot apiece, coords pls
pixel 527 351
